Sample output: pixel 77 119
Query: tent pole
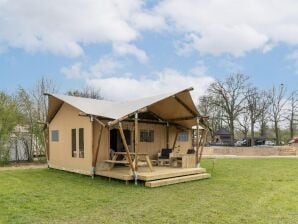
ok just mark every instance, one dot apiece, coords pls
pixel 175 139
pixel 95 154
pixel 167 135
pixel 136 140
pixel 198 142
pixel 48 145
pixel 203 144
pixel 126 148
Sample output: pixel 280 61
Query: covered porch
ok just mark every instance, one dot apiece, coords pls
pixel 135 163
pixel 159 176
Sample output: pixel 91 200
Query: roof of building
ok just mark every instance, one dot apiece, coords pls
pixel 222 131
pixel 177 107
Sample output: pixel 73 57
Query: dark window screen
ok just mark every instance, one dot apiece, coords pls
pixel 73 142
pixel 81 142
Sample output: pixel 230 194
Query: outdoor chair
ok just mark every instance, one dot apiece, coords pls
pixel 164 156
pixel 190 151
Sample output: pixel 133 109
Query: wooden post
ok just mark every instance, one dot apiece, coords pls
pixel 93 171
pixel 202 146
pixel 95 154
pixel 48 145
pixel 175 139
pixel 136 131
pixel 198 142
pixel 126 148
pixel 167 135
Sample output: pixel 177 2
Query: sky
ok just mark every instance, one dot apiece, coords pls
pixel 131 49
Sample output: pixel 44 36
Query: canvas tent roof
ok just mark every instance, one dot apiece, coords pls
pixel 177 107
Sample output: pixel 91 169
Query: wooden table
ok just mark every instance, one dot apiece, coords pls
pixel 186 160
pixel 133 155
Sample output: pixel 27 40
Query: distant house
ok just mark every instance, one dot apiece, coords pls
pixel 222 136
pixel 17 148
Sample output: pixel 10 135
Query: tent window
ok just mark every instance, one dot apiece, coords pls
pixel 55 136
pixel 146 136
pixel 182 136
pixel 81 142
pixel 73 142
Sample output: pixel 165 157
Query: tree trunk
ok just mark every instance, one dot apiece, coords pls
pixel 263 130
pixel 276 132
pixel 292 126
pixel 252 133
pixel 232 131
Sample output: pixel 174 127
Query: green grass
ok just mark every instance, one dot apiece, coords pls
pixel 240 191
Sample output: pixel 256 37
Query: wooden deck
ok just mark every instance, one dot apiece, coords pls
pixel 168 174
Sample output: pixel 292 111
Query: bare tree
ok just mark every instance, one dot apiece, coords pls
pixel 264 115
pixel 277 102
pixel 257 105
pixel 207 108
pixel 26 107
pixel 34 107
pixel 292 112
pixel 243 122
pixel 229 95
pixel 87 92
pixel 40 102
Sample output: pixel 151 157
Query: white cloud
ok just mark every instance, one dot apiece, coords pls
pixel 74 71
pixel 237 40
pixel 167 80
pixel 124 49
pixel 231 26
pixel 105 66
pixel 62 27
pixel 214 27
pixel 115 85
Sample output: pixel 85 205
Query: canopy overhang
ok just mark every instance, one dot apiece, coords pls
pixel 175 108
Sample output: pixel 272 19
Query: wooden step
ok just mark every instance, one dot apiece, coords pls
pixel 169 173
pixel 175 180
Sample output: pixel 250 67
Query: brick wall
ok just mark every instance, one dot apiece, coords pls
pixel 252 151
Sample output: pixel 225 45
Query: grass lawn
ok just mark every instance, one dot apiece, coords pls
pixel 240 191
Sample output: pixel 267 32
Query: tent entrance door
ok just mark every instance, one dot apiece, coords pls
pixel 115 140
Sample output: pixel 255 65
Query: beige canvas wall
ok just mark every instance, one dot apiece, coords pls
pixel 60 152
pixel 67 118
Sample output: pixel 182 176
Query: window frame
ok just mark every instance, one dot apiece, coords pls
pixel 147 135
pixel 56 138
pixel 183 136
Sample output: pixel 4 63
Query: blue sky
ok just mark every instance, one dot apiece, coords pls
pixel 135 48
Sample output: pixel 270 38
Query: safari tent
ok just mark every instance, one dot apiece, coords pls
pixel 157 139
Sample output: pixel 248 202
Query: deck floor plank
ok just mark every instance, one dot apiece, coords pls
pixel 175 180
pixel 144 174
